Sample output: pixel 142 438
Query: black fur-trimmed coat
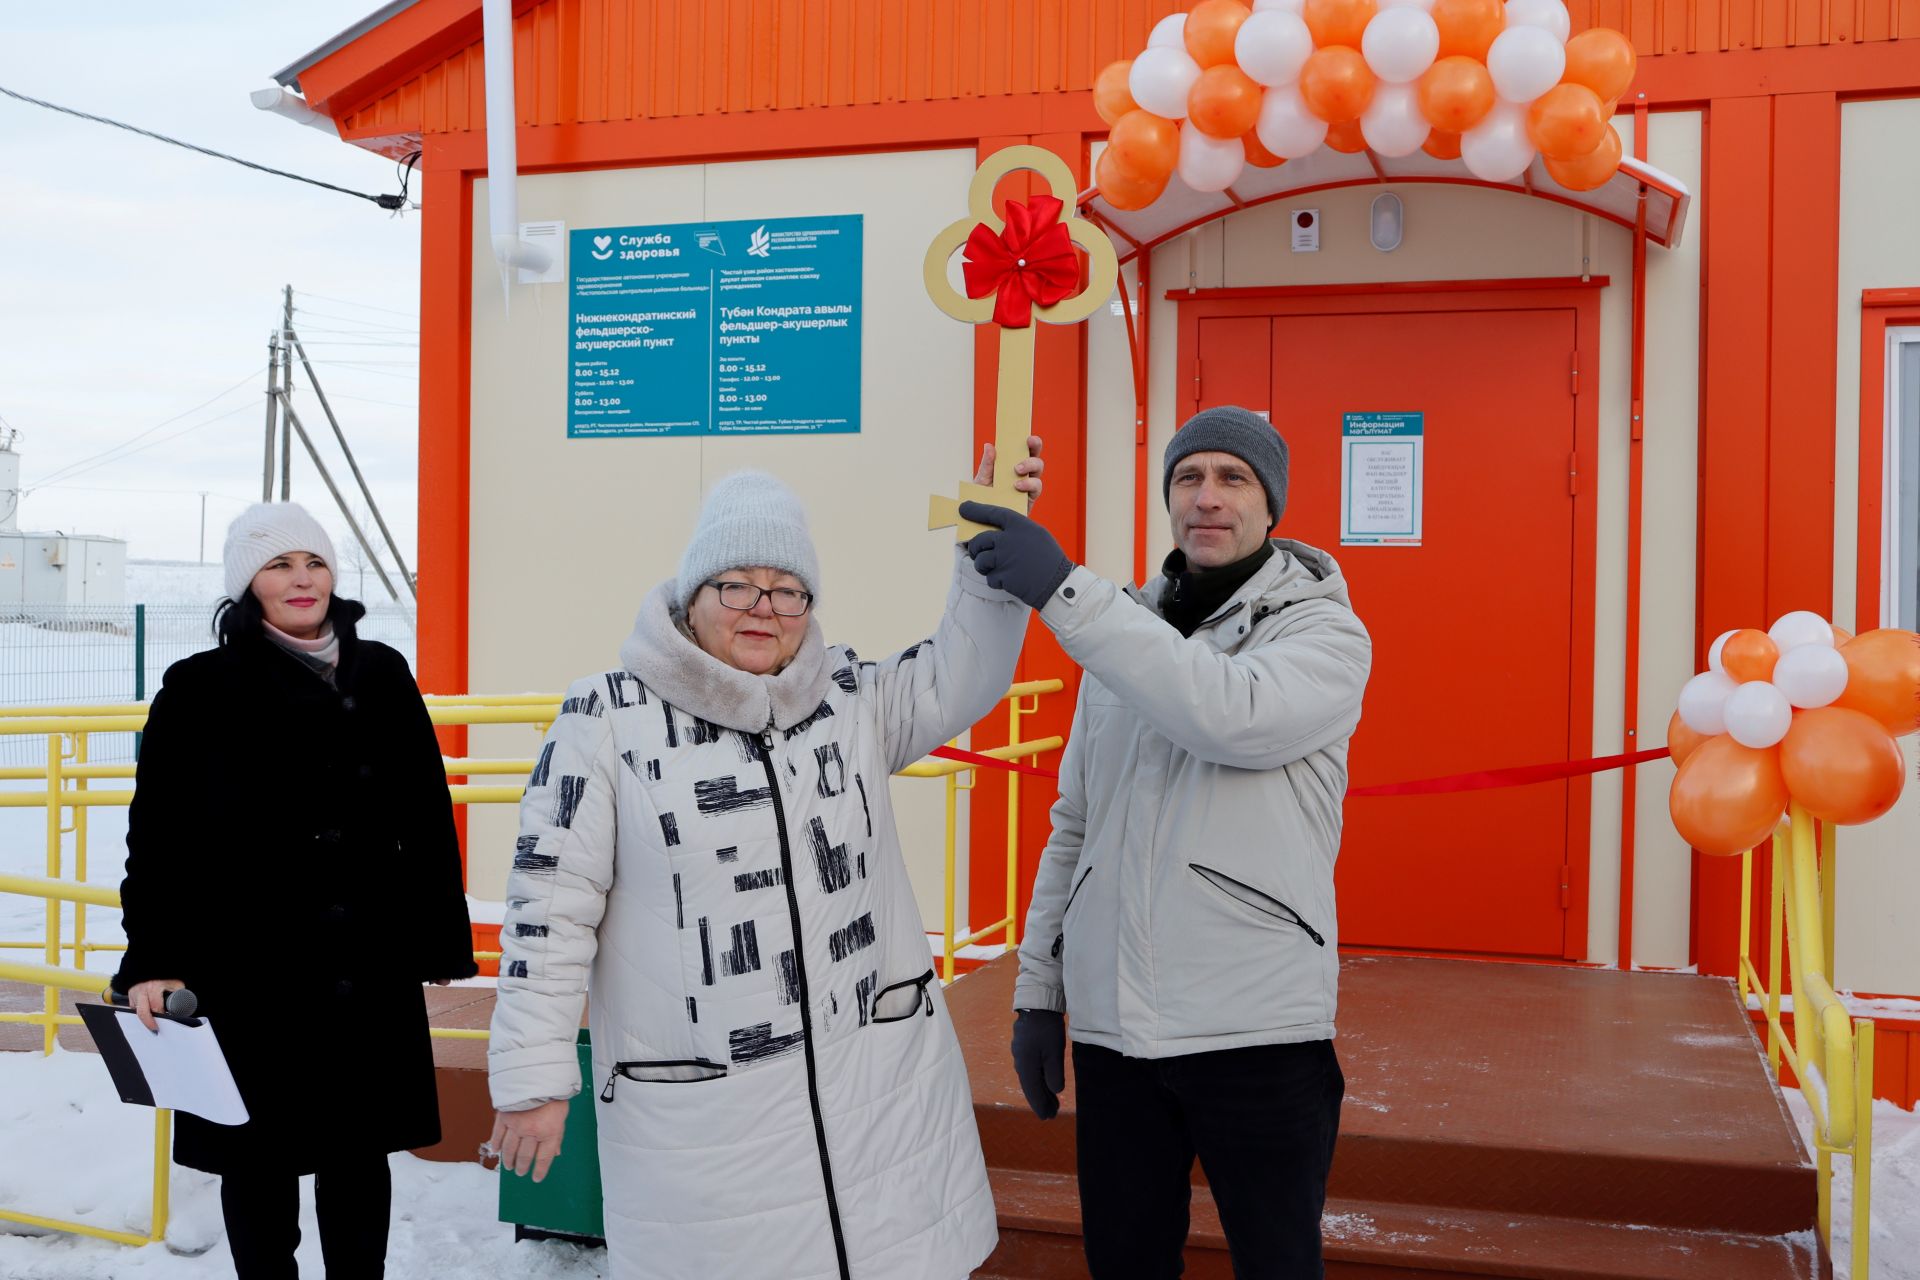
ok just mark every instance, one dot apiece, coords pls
pixel 291 856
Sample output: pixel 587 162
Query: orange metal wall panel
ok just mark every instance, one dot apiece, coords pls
pixel 648 59
pixel 1805 280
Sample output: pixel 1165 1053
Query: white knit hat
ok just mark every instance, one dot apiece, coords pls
pixel 266 530
pixel 749 521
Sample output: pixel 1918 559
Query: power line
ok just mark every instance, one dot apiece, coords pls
pixel 72 467
pixel 348 302
pixel 393 203
pixel 152 444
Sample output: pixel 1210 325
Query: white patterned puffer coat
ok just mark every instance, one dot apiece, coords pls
pixel 710 857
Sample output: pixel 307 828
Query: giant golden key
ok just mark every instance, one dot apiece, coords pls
pixel 1013 409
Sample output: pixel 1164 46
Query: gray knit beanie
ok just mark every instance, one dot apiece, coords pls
pixel 749 521
pixel 1247 436
pixel 265 531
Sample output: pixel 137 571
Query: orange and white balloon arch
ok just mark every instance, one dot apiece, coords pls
pixel 1490 82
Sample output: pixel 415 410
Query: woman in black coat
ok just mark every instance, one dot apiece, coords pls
pixel 292 859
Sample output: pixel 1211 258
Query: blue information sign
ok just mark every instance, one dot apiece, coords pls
pixel 715 328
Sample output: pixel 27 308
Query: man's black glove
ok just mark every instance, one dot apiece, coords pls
pixel 1039 1055
pixel 1017 555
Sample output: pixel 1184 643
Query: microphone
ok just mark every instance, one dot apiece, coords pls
pixel 181 1004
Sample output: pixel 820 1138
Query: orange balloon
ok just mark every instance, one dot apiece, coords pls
pixel 1599 58
pixel 1883 678
pixel 1336 83
pixel 1111 96
pixel 1682 741
pixel 1727 798
pixel 1840 636
pixel 1841 765
pixel 1455 95
pixel 1337 21
pixel 1468 27
pixel 1346 137
pixel 1211 29
pixel 1123 191
pixel 1224 102
pixel 1442 145
pixel 1144 146
pixel 1565 122
pixel 1749 654
pixel 1595 169
pixel 1257 153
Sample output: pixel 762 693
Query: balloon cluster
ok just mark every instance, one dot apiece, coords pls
pixel 1801 712
pixel 1490 82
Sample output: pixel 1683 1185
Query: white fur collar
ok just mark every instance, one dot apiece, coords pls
pixel 669 663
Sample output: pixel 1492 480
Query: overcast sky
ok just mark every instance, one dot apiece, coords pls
pixel 139 282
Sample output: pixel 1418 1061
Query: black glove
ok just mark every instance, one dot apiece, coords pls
pixel 1039 1056
pixel 1017 555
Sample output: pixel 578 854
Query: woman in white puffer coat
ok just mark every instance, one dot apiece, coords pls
pixel 707 853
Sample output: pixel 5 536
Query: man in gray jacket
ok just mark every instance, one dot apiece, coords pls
pixel 1183 915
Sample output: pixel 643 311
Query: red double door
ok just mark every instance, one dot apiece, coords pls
pixel 1483 632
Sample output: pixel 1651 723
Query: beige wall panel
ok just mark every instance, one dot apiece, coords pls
pixel 1878 910
pixel 1663 864
pixel 568 535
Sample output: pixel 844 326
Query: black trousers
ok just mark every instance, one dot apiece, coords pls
pixel 353 1200
pixel 1262 1120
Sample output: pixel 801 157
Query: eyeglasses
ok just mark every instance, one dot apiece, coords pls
pixel 744 596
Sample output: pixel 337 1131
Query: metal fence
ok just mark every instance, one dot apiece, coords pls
pixel 58 655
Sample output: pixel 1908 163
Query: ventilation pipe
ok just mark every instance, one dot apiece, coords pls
pixel 503 205
pixel 294 108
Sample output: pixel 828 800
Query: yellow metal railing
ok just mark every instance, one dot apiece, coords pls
pixel 67 774
pixel 1830 1052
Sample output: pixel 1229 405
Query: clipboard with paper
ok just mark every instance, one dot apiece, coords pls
pixel 179 1067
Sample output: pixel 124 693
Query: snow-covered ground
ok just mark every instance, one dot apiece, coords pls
pixel 54 1109
pixel 444 1219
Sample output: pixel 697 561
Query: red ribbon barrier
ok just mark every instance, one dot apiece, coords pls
pixel 988 762
pixel 1524 775
pixel 1480 780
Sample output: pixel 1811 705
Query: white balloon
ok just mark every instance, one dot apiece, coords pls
pixel 1392 123
pixel 1286 127
pixel 1272 46
pixel 1161 79
pixel 1713 651
pixel 1209 164
pixel 1548 15
pixel 1758 715
pixel 1798 628
pixel 1284 6
pixel 1170 33
pixel 1525 62
pixel 1424 6
pixel 1703 702
pixel 1811 676
pixel 1498 148
pixel 1399 45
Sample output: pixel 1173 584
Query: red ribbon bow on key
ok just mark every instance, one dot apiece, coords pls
pixel 1030 262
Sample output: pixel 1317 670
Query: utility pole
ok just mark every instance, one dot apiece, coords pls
pixel 203 526
pixel 286 391
pixel 326 477
pixel 273 405
pixel 295 345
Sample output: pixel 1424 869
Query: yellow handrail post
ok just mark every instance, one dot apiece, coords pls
pixel 1746 923
pixel 1823 834
pixel 162 1172
pixel 1776 923
pixel 51 998
pixel 953 822
pixel 80 853
pixel 1861 1233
